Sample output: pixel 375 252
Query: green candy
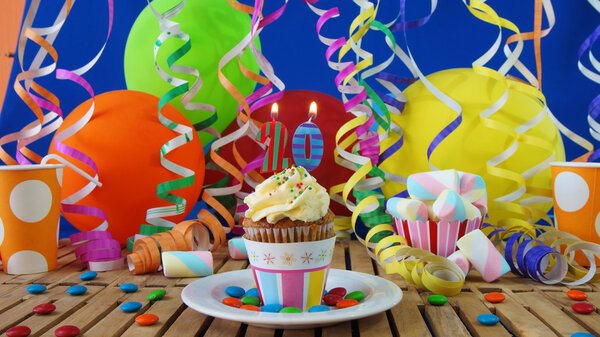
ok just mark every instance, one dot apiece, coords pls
pixel 290 310
pixel 251 300
pixel 156 295
pixel 437 300
pixel 355 295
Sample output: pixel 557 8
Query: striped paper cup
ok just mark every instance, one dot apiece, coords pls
pixel 290 274
pixel 437 237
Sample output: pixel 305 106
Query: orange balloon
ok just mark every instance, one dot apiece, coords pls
pixel 124 138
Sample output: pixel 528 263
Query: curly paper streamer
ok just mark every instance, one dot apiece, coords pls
pixel 528 249
pixel 47 100
pixel 594 108
pixel 155 216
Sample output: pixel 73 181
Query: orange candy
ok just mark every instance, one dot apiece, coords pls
pixel 494 297
pixel 346 303
pixel 577 295
pixel 146 319
pixel 232 302
pixel 250 307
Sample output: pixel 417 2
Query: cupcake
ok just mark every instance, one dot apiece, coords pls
pixel 290 206
pixel 289 239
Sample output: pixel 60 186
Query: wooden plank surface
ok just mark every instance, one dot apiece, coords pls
pixel 531 309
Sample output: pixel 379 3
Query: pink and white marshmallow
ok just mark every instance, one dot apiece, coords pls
pixel 483 255
pixel 407 209
pixel 450 206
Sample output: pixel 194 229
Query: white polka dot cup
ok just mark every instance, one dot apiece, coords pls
pixel 29 217
pixel 576 189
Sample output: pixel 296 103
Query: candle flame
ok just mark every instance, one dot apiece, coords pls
pixel 312 111
pixel 274 110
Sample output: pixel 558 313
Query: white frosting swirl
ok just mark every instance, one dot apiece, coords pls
pixel 292 193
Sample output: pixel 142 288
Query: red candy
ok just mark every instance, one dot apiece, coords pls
pixel 332 299
pixel 337 291
pixel 232 302
pixel 18 331
pixel 494 297
pixel 146 319
pixel 250 307
pixel 577 295
pixel 583 308
pixel 44 309
pixel 346 303
pixel 67 331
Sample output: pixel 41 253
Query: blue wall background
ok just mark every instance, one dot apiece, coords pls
pixel 452 38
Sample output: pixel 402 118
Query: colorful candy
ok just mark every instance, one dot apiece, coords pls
pixel 156 295
pixel 237 249
pixel 36 289
pixel 234 291
pixel 346 303
pixel 472 188
pixel 44 309
pixel 437 300
pixel 407 209
pixel 577 295
pixel 483 255
pixel 232 302
pixel 355 295
pixel 67 331
pixel 494 297
pixel 450 206
pixel 250 307
pixel 318 308
pixel 77 290
pixel 337 291
pixel 128 287
pixel 131 306
pixel 187 264
pixel 18 331
pixel 252 292
pixel 88 276
pixel 274 307
pixel 290 310
pixel 251 300
pixel 146 319
pixel 488 319
pixel 332 299
pixel 461 261
pixel 428 185
pixel 583 308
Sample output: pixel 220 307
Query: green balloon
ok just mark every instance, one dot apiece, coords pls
pixel 214 28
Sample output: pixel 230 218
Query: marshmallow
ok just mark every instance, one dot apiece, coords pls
pixel 461 261
pixel 407 209
pixel 237 249
pixel 484 257
pixel 450 206
pixel 187 264
pixel 428 185
pixel 472 188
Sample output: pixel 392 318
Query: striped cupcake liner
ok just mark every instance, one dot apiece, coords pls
pixel 437 237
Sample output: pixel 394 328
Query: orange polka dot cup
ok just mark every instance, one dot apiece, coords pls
pixel 29 217
pixel 576 189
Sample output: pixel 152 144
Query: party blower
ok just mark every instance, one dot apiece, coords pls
pixel 30 214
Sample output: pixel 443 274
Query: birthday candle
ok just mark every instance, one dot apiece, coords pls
pixel 277 134
pixel 316 142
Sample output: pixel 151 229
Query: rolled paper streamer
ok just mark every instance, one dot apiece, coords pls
pixel 461 261
pixel 451 206
pixel 187 264
pixel 472 188
pixel 407 209
pixel 97 250
pixel 428 185
pixel 483 255
pixel 237 249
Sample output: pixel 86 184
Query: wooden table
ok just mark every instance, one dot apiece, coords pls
pixel 530 309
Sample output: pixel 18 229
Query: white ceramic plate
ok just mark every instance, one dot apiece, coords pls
pixel 205 295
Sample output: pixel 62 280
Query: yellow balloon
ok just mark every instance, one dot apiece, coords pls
pixel 472 144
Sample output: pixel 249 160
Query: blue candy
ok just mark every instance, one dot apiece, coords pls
pixel 252 292
pixel 77 290
pixel 36 289
pixel 131 306
pixel 582 334
pixel 129 287
pixel 88 276
pixel 271 308
pixel 234 291
pixel 488 319
pixel 318 308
